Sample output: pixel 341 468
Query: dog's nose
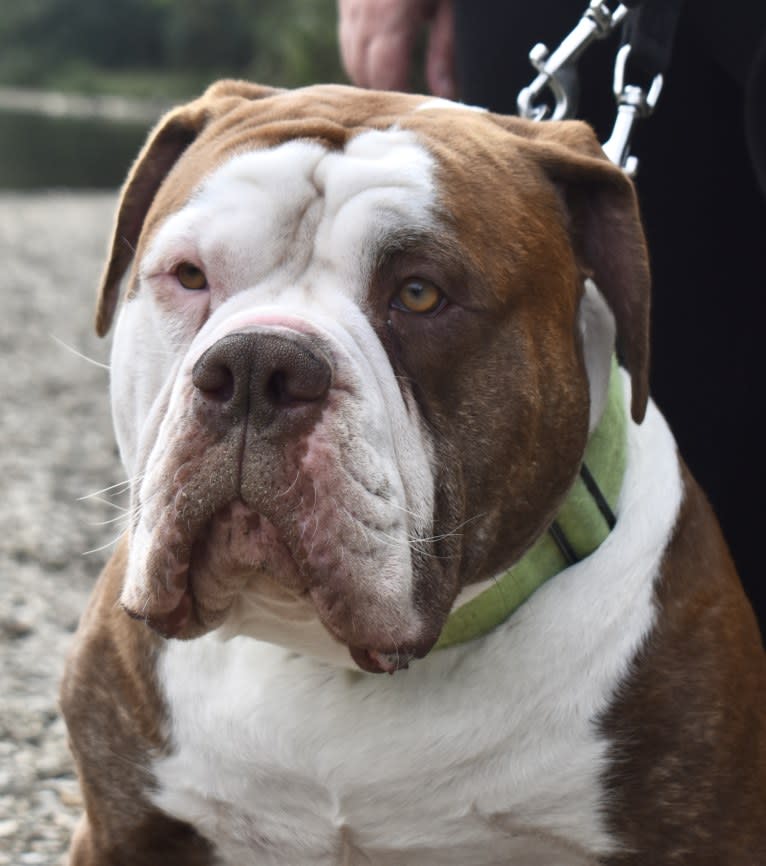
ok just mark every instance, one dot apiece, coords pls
pixel 266 376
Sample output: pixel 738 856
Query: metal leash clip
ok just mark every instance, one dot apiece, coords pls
pixel 633 103
pixel 557 72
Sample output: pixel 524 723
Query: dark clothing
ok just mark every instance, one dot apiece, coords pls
pixel 705 219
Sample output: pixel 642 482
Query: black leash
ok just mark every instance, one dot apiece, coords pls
pixel 649 28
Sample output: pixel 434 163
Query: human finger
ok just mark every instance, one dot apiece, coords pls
pixel 440 56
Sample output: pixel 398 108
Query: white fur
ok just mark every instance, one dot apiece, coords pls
pixel 482 754
pixel 598 332
pixel 485 753
pixel 448 105
pixel 285 235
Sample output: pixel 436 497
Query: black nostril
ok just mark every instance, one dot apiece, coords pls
pixel 305 379
pixel 216 381
pixel 276 389
pixel 263 374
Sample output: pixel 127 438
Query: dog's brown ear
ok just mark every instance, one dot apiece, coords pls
pixel 167 141
pixel 606 232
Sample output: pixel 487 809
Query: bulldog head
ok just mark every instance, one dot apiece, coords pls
pixel 356 363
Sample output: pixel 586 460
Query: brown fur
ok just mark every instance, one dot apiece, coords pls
pixel 688 768
pixel 115 719
pixel 561 213
pixel 527 211
pixel 232 116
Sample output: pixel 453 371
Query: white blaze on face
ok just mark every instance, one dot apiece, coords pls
pixel 442 104
pixel 287 238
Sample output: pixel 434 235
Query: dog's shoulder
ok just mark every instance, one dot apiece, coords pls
pixel 689 723
pixel 110 700
pixel 111 662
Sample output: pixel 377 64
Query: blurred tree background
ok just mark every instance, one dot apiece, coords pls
pixel 165 48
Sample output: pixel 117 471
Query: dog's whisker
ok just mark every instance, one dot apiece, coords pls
pixel 118 488
pixel 405 510
pixel 285 492
pixel 452 533
pixel 415 543
pixel 314 504
pixel 112 520
pixel 103 546
pixel 78 353
pixel 114 505
pixel 391 541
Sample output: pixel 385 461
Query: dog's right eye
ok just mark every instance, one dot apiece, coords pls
pixel 191 277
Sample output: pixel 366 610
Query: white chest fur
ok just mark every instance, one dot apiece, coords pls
pixel 486 753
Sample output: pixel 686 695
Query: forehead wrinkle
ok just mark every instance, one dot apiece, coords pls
pixel 304 205
pixel 275 191
pixel 371 167
pixel 383 179
pixel 375 160
pixel 278 181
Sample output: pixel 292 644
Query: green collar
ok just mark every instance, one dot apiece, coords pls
pixel 582 524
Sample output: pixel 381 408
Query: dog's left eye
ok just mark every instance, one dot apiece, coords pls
pixel 191 277
pixel 418 296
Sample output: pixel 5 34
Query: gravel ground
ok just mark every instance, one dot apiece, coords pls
pixel 56 446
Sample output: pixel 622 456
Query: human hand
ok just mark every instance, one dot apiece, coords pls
pixel 377 38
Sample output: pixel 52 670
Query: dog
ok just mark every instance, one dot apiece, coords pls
pixel 364 384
